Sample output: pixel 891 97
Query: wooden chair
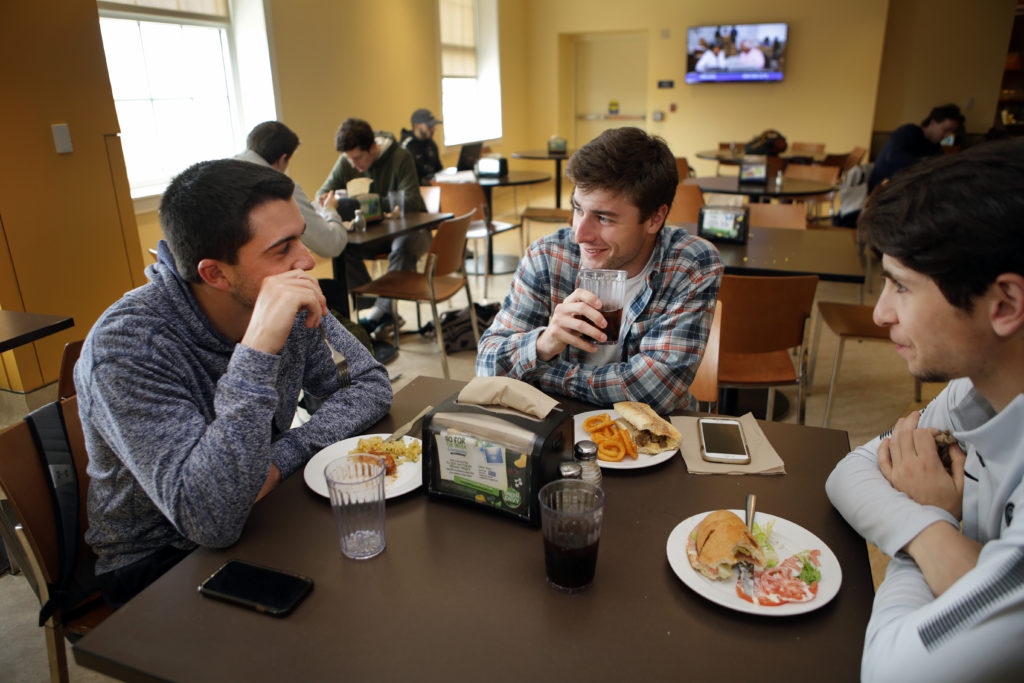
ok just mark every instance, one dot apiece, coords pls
pixel 820 173
pixel 536 214
pixel 29 524
pixel 763 318
pixel 806 148
pixel 847 321
pixel 431 197
pixel 686 205
pixel 442 278
pixel 683 167
pixel 463 198
pixel 779 215
pixel 704 386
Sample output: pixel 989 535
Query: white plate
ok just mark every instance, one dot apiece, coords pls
pixel 787 538
pixel 408 478
pixel 627 463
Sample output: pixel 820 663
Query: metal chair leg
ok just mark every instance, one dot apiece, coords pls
pixel 769 412
pixel 394 316
pixel 832 382
pixel 814 351
pixel 439 336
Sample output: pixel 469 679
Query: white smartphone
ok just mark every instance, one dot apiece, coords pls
pixel 721 440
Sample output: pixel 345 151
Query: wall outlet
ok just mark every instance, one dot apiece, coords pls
pixel 62 138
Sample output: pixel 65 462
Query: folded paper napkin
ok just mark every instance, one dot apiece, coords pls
pixel 358 186
pixel 505 392
pixel 763 458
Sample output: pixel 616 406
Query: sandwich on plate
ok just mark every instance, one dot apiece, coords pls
pixel 650 432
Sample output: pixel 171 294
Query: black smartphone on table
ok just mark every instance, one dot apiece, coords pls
pixel 259 588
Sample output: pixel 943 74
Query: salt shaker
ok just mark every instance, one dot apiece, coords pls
pixel 778 179
pixel 359 222
pixel 585 453
pixel 570 470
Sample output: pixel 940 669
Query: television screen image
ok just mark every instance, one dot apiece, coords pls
pixel 735 52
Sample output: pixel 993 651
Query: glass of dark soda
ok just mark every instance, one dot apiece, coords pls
pixel 610 288
pixel 571 511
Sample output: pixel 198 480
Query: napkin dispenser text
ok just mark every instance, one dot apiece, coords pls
pixel 496 461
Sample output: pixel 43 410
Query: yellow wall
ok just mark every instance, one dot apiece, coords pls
pixel 70 244
pixel 827 95
pixel 939 51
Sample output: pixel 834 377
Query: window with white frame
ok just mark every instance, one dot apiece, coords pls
pixel 174 76
pixel 470 70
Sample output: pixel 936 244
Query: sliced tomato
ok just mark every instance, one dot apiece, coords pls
pixel 782 584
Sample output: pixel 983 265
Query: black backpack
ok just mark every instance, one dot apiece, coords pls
pixel 769 142
pixel 458 329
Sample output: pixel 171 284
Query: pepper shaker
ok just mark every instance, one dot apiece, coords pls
pixel 585 453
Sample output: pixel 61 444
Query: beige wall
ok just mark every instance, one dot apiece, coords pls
pixel 939 51
pixel 69 243
pixel 827 95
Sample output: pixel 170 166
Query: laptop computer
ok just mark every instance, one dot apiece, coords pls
pixel 468 156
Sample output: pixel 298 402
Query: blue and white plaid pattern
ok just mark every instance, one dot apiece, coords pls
pixel 664 329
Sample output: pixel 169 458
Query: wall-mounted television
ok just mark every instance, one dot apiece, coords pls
pixel 736 52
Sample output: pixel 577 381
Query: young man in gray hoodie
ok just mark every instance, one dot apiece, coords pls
pixel 187 386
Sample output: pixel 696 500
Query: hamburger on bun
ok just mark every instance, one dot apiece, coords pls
pixel 719 542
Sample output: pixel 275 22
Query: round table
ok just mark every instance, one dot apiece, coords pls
pixel 725 156
pixel 790 187
pixel 558 159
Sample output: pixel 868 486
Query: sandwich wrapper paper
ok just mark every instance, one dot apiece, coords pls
pixel 507 395
pixel 358 186
pixel 763 458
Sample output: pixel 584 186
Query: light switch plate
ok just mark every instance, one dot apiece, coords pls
pixel 62 138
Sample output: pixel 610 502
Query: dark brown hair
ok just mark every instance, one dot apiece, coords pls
pixel 627 161
pixel 352 134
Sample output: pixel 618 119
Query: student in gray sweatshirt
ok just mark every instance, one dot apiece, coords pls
pixel 187 386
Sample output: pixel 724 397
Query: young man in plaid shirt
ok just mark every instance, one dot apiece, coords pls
pixel 625 181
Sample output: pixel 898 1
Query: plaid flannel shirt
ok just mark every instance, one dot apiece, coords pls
pixel 664 328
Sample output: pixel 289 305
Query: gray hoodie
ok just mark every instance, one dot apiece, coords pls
pixel 181 425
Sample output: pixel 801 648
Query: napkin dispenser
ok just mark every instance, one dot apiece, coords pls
pixel 492 167
pixel 371 206
pixel 494 460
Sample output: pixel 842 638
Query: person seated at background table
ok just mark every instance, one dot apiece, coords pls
pixel 951 607
pixel 365 155
pixel 750 57
pixel 625 181
pixel 272 143
pixel 420 143
pixel 910 143
pixel 187 386
pixel 713 59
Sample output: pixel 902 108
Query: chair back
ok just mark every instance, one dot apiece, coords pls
pixel 683 167
pixel 779 215
pixel 431 197
pixel 686 205
pixel 764 314
pixel 704 387
pixel 462 198
pixel 854 158
pixel 807 148
pixel 823 174
pixel 23 483
pixel 449 245
pixel 66 378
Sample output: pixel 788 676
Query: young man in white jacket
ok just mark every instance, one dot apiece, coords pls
pixel 951 608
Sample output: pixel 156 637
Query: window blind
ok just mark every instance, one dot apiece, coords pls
pixel 210 9
pixel 458 38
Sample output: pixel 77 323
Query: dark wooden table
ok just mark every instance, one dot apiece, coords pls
pixel 830 254
pixel 791 187
pixel 557 158
pixel 727 157
pixel 17 328
pixel 376 239
pixel 460 593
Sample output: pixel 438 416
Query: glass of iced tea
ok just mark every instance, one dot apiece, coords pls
pixel 610 288
pixel 571 511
